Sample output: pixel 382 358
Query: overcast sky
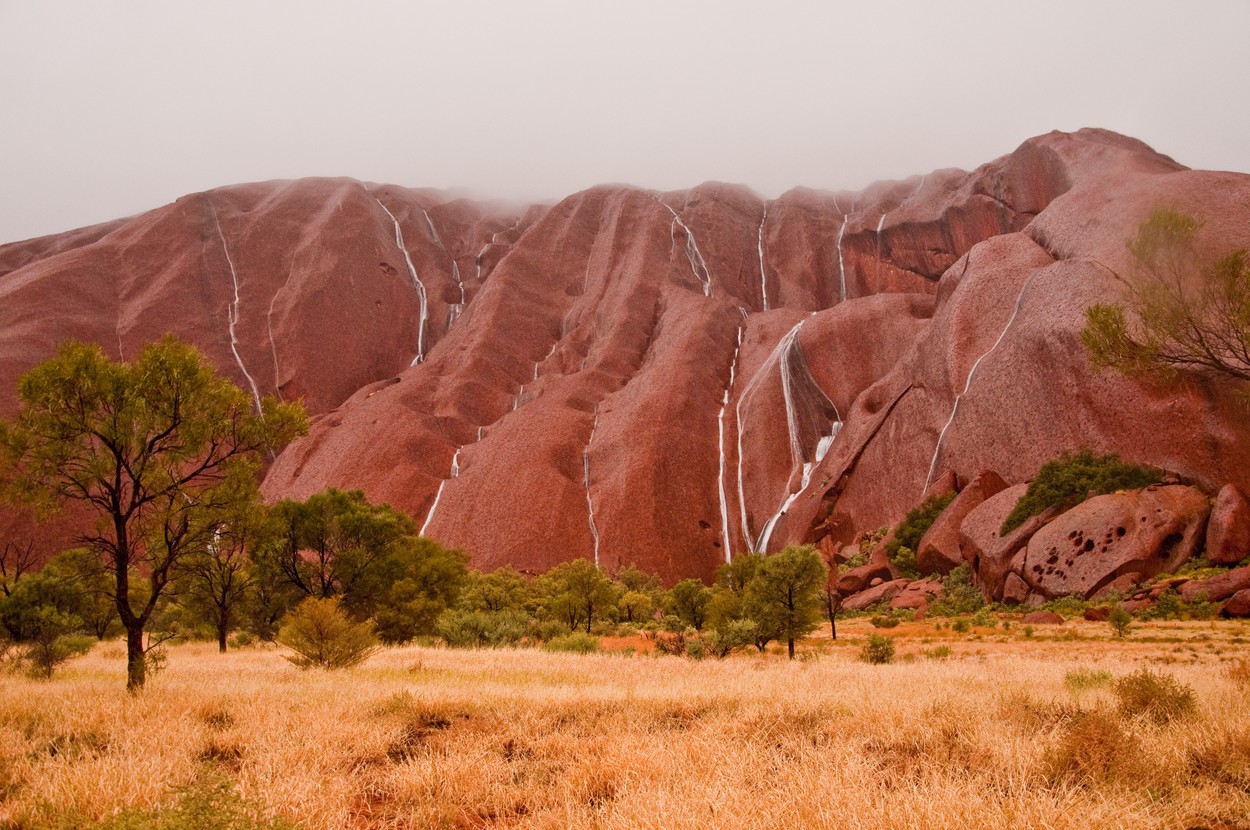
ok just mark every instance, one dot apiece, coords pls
pixel 110 108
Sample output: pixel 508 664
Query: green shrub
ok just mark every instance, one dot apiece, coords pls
pixel 961 625
pixel 478 629
pixel 959 595
pixel 579 642
pixel 884 621
pixel 1069 479
pixel 1120 621
pixel 938 653
pixel 322 635
pixel 983 619
pixel 696 649
pixel 732 636
pixel 902 548
pixel 877 649
pixel 1161 697
pixel 45 655
pixel 1068 606
pixel 1079 680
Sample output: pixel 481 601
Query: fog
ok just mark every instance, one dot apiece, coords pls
pixel 111 108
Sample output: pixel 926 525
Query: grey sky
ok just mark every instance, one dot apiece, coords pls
pixel 110 108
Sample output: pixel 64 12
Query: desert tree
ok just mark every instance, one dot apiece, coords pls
pixel 218 577
pixel 1179 313
pixel 159 449
pixel 783 597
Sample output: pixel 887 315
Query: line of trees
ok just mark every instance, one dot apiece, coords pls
pixel 163 455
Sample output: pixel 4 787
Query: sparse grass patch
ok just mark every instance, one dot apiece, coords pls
pixel 1080 680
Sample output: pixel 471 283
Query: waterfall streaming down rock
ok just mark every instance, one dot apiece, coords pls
pixel 416 281
pixel 812 423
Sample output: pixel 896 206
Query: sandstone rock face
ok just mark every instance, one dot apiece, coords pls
pixel 663 379
pixel 1228 531
pixel 993 557
pixel 1146 532
pixel 939 550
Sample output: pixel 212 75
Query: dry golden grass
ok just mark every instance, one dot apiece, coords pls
pixel 990 737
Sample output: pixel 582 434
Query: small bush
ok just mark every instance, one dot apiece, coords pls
pixel 938 653
pixel 696 649
pixel 479 629
pixel 878 649
pixel 961 626
pixel 579 642
pixel 1081 679
pixel 959 595
pixel 1069 479
pixel 44 656
pixel 884 621
pixel 1092 748
pixel 322 635
pixel 1120 621
pixel 1161 697
pixel 983 619
pixel 729 638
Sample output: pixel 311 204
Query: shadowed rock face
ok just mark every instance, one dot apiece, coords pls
pixel 657 379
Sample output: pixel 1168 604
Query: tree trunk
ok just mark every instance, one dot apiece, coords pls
pixel 222 631
pixel 135 674
pixel 790 647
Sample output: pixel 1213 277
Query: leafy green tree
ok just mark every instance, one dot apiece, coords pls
pixel 784 594
pixel 635 606
pixel 1179 314
pixel 410 587
pixel 331 542
pixel 91 582
pixel 688 600
pixel 500 590
pixel 218 578
pixel 159 449
pixel 725 603
pixel 578 593
pixel 1070 479
pixel 40 614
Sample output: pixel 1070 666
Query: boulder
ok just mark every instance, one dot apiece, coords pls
pixel 884 592
pixel 1100 614
pixel 1015 590
pixel 1228 531
pixel 1042 618
pixel 946 482
pixel 991 556
pixel 939 551
pixel 1119 586
pixel 857 579
pixel 1216 588
pixel 1146 531
pixel 1238 605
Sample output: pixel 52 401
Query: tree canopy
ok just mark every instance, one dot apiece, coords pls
pixel 1179 313
pixel 160 449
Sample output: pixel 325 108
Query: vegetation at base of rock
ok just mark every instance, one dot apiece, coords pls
pixel 959 595
pixel 323 636
pixel 902 548
pixel 1186 315
pixel 1073 477
pixel 578 642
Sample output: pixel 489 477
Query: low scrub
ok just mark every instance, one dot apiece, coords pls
pixel 322 636
pixel 877 649
pixel 579 642
pixel 1071 478
pixel 1160 697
